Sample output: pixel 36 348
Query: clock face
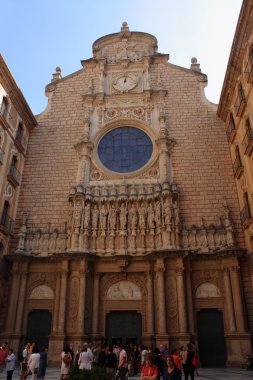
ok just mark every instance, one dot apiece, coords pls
pixel 125 83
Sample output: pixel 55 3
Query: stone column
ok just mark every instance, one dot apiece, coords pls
pixel 82 289
pixel 95 308
pixel 63 293
pixel 160 289
pixel 56 303
pixel 237 297
pixel 181 300
pixel 13 300
pixel 150 305
pixel 84 150
pixel 190 301
pixel 21 300
pixel 163 159
pixel 229 301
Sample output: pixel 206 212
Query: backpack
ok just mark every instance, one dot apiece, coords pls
pixel 66 359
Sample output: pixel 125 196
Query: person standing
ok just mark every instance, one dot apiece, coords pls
pixel 85 358
pixel 3 355
pixel 10 364
pixel 170 370
pixel 149 370
pixel 42 363
pixel 66 359
pixel 111 362
pixel 189 367
pixel 34 361
pixel 122 365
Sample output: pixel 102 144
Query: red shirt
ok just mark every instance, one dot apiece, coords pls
pixel 147 370
pixel 3 355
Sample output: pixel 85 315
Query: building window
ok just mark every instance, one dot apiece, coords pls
pixel 237 165
pixel 4 105
pixel 5 220
pixel 14 176
pixel 246 211
pixel 125 149
pixel 248 138
pixel 20 141
pixel 249 67
pixel 231 130
pixel 240 103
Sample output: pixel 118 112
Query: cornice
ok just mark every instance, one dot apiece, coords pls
pixel 16 95
pixel 243 31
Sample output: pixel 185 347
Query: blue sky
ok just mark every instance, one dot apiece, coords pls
pixel 38 35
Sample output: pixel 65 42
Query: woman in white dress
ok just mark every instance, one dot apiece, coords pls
pixel 85 358
pixel 34 361
pixel 66 359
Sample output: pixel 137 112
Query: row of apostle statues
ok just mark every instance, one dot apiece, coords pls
pixel 109 218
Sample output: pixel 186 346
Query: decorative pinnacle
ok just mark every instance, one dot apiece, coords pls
pixel 124 27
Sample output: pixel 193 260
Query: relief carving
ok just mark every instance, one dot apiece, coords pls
pixel 73 304
pixel 124 290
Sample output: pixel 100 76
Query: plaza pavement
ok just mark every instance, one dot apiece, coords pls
pixel 204 374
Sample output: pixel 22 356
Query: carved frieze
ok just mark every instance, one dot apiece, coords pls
pixel 172 309
pixel 73 304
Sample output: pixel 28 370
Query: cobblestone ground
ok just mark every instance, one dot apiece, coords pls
pixel 204 374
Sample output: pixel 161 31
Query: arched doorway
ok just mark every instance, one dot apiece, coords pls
pixel 39 327
pixel 212 346
pixel 124 327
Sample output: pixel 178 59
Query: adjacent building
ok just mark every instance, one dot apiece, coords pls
pixel 128 224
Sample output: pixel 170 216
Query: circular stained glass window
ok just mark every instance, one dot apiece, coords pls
pixel 125 149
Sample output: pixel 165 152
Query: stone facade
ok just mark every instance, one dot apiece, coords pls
pixel 164 240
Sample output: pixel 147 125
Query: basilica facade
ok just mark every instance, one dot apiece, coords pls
pixel 128 221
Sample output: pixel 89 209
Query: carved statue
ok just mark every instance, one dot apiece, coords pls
pixel 103 217
pixel 112 220
pixel 77 214
pixel 142 217
pixel 166 212
pixel 123 216
pixel 86 221
pixel 95 214
pixel 158 213
pixel 151 217
pixel 133 217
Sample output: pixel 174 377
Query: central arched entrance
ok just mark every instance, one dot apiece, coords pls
pixel 124 327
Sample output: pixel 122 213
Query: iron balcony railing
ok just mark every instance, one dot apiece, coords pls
pixel 7 222
pixel 237 167
pixel 248 141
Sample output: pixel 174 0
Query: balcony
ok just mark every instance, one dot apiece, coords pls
pixel 14 177
pixel 20 142
pixel 245 215
pixel 1 156
pixel 249 69
pixel 231 130
pixel 248 141
pixel 240 103
pixel 238 167
pixel 6 223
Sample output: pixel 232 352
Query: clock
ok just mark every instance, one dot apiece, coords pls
pixel 125 83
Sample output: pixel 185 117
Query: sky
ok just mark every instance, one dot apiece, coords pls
pixel 38 35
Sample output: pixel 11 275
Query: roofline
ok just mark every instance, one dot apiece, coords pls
pixel 233 66
pixel 16 95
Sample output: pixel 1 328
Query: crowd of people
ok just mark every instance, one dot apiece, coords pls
pixel 32 361
pixel 132 360
pixel 118 361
